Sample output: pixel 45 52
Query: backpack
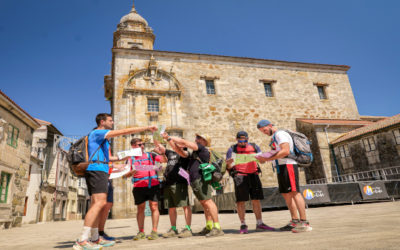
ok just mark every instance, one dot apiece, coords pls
pixel 78 156
pixel 218 162
pixel 302 148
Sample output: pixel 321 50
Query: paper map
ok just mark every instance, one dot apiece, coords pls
pixel 182 172
pixel 118 174
pixel 130 152
pixel 157 134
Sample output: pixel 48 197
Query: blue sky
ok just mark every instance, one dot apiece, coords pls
pixel 54 54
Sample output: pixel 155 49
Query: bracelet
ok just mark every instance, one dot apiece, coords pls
pixel 169 138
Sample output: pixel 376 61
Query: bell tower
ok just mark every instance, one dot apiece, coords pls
pixel 133 32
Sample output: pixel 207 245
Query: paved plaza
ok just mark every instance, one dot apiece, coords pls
pixel 361 226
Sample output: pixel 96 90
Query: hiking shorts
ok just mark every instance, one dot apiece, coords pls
pixel 143 194
pixel 248 186
pixel 110 194
pixel 176 195
pixel 97 182
pixel 202 189
pixel 288 178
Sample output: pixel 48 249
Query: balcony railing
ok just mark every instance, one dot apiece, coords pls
pixel 377 174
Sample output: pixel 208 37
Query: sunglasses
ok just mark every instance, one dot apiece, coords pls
pixel 242 141
pixel 140 144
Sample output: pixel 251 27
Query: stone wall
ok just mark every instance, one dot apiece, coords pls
pixel 386 153
pixel 239 103
pixel 15 161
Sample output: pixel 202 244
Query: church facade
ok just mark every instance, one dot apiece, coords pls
pixel 215 95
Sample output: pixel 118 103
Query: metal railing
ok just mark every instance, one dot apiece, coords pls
pixel 377 174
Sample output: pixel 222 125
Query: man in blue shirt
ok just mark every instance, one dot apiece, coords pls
pixel 97 175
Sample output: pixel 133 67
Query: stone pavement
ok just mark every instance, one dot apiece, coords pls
pixel 361 226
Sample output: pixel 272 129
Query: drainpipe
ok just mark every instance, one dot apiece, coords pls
pixel 55 192
pixel 40 189
pixel 331 149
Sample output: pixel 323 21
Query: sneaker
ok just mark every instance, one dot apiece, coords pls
pixel 171 233
pixel 215 232
pixel 86 245
pixel 203 232
pixel 243 229
pixel 303 226
pixel 153 236
pixel 107 237
pixel 185 233
pixel 292 224
pixel 262 228
pixel 104 243
pixel 139 236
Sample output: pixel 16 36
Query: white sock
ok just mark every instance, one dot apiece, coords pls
pixel 85 233
pixel 95 234
pixel 259 222
pixel 243 222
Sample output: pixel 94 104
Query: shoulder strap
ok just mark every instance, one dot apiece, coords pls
pixel 234 148
pixel 254 146
pixel 91 157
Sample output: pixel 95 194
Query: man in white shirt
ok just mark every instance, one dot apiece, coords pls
pixel 288 176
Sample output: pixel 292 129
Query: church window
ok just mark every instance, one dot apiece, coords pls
pixel 4 184
pixel 268 89
pixel 12 138
pixel 210 87
pixel 322 92
pixel 397 135
pixel 153 105
pixel 369 144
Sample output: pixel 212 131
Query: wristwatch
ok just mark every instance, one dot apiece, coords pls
pixel 169 138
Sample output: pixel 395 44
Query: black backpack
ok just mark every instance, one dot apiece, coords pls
pixel 78 156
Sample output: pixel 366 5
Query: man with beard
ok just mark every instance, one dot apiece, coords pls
pixel 247 182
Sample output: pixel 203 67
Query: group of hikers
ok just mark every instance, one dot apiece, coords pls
pixel 189 156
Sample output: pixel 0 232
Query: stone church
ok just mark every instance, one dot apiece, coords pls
pixel 220 95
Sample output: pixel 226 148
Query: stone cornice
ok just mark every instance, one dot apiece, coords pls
pixel 242 61
pixel 164 92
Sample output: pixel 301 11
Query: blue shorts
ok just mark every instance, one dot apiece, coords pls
pixel 110 194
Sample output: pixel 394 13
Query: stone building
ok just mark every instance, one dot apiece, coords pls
pixel 374 148
pixel 216 95
pixel 16 129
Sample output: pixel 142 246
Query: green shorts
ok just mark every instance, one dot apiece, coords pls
pixel 176 195
pixel 202 189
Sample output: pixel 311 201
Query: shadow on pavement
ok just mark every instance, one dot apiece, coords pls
pixel 65 244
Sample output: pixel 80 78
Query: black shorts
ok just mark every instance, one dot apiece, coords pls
pixel 96 181
pixel 248 185
pixel 110 194
pixel 288 178
pixel 143 194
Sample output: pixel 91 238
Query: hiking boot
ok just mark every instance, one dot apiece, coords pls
pixel 203 232
pixel 185 233
pixel 262 228
pixel 215 232
pixel 86 245
pixel 153 236
pixel 302 226
pixel 107 237
pixel 243 229
pixel 104 243
pixel 171 233
pixel 139 236
pixel 292 224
